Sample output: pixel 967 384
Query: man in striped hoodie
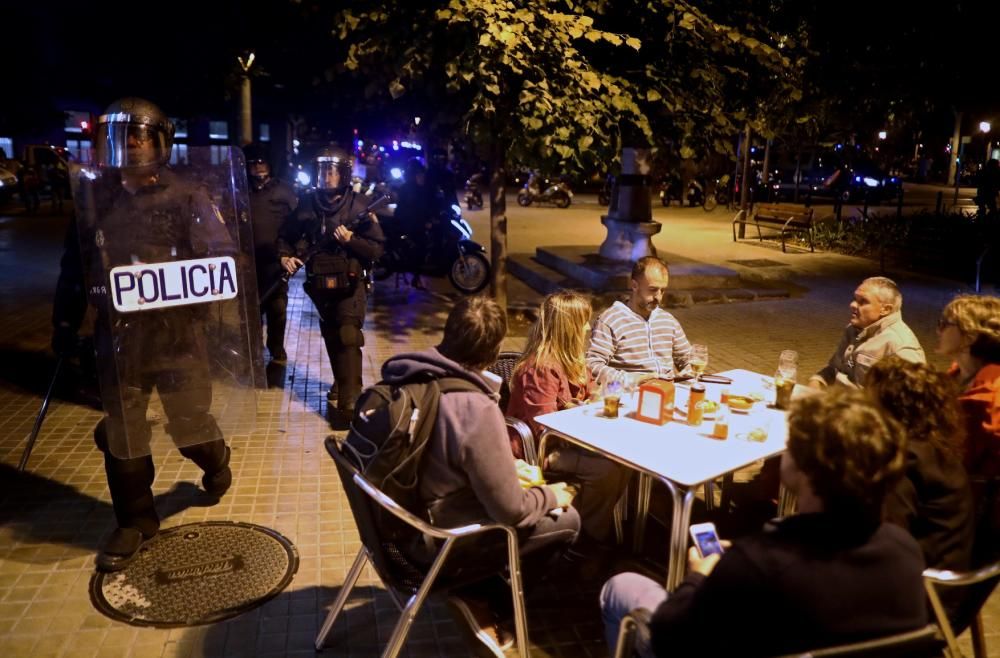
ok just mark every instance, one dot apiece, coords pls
pixel 639 337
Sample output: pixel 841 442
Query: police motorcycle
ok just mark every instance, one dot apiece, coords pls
pixel 449 251
pixel 556 193
pixel 473 191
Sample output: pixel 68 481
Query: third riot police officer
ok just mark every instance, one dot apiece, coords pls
pixel 339 242
pixel 272 202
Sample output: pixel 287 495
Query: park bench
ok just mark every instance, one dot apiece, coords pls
pixel 784 218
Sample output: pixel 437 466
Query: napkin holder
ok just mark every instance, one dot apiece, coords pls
pixel 656 402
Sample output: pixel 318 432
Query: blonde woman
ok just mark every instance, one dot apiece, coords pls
pixel 553 375
pixel 969 333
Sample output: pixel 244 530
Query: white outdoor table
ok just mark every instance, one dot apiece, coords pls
pixel 679 455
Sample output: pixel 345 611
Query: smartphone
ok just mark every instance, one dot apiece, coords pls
pixel 706 539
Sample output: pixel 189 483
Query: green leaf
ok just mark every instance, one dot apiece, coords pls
pixel 585 142
pixel 652 96
pixel 592 35
pixel 485 39
pixel 632 42
pixel 687 152
pixel 396 89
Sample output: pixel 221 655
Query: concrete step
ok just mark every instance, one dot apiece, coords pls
pixel 583 264
pixel 546 280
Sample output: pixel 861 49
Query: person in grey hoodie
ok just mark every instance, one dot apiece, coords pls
pixel 469 475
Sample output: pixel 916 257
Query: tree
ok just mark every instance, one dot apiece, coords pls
pixel 558 82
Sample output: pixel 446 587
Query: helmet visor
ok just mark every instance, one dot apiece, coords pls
pixel 126 145
pixel 332 173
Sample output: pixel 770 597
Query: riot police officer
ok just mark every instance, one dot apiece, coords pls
pixel 339 241
pixel 134 214
pixel 272 202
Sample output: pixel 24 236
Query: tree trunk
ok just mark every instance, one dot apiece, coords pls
pixel 745 186
pixel 956 143
pixel 766 171
pixel 498 223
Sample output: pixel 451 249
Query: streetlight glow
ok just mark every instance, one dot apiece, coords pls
pixel 882 134
pixel 984 126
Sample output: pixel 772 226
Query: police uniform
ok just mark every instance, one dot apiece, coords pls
pixel 153 218
pixel 335 277
pixel 270 207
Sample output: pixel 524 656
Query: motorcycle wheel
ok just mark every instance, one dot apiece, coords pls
pixel 470 274
pixel 561 200
pixel 710 203
pixel 523 199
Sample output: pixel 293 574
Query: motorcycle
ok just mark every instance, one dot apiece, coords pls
pixel 698 193
pixel 604 194
pixel 473 195
pixel 557 193
pixel 448 251
pixel 718 193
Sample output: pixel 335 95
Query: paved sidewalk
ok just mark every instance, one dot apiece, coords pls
pixel 52 519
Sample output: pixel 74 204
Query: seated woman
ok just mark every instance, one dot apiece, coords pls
pixel 552 375
pixel 933 501
pixel 969 333
pixel 832 573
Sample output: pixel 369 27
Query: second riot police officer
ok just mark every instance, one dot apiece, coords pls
pixel 272 202
pixel 339 242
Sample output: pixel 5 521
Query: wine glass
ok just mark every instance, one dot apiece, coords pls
pixel 699 360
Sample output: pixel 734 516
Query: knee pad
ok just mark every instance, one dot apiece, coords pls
pixel 351 336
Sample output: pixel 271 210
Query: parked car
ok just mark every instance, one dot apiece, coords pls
pixel 8 182
pixel 864 178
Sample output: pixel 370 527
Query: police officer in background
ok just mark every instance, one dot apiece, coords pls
pixel 272 202
pixel 132 210
pixel 339 241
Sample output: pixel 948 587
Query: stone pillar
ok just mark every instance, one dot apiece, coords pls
pixel 629 220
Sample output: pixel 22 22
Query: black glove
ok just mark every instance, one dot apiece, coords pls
pixel 64 341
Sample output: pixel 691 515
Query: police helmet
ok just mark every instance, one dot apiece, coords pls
pixel 257 154
pixel 133 133
pixel 414 166
pixel 333 158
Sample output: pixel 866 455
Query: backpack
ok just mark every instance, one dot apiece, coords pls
pixel 388 436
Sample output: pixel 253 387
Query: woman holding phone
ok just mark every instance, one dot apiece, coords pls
pixel 551 376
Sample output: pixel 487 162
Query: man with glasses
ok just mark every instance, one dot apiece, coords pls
pixel 876 330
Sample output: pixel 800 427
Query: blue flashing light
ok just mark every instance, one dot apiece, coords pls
pixel 361 143
pixel 396 173
pixel 303 178
pixel 381 149
pixel 395 145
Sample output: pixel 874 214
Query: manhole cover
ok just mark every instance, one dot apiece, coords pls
pixel 759 262
pixel 197 574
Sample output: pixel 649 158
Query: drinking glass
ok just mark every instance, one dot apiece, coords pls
pixel 788 363
pixel 784 378
pixel 699 360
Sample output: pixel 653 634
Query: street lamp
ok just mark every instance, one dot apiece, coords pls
pixel 246 127
pixel 882 134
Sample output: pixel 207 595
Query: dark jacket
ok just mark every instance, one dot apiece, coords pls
pixel 468 474
pixel 934 502
pixel 314 222
pixel 806 581
pixel 270 210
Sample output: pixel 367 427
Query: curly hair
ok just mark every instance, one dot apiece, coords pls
pixel 923 400
pixel 850 451
pixel 977 318
pixel 558 337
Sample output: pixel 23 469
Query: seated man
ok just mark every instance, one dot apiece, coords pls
pixel 639 336
pixel 469 475
pixel 831 574
pixel 876 330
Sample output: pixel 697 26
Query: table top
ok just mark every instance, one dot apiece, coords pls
pixel 677 451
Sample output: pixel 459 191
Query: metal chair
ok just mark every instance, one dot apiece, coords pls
pixel 980 584
pixel 924 642
pixel 408 584
pixel 503 367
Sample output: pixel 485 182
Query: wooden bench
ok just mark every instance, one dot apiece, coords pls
pixel 785 218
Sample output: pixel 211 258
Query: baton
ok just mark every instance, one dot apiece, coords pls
pixel 41 416
pixel 286 275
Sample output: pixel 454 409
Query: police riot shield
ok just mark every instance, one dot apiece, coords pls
pixel 168 265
